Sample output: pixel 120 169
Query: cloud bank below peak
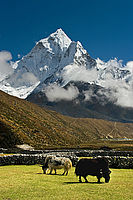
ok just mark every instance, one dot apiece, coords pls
pixel 56 93
pixel 117 90
pixel 5 66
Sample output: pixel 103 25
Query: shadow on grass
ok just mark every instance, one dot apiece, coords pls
pixel 51 174
pixel 83 183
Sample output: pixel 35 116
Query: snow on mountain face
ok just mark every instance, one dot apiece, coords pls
pixel 56 41
pixel 45 57
pixel 76 54
pixel 58 59
pixel 45 60
pixel 112 69
pixel 39 64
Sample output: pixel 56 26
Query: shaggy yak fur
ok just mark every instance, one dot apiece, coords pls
pixel 54 163
pixel 95 167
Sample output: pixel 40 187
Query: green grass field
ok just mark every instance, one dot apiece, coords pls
pixel 28 183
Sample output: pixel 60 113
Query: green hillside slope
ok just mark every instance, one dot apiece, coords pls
pixel 22 122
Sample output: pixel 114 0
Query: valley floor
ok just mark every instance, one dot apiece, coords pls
pixel 28 182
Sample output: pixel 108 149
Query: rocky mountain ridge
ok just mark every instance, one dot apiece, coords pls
pixel 55 65
pixel 52 55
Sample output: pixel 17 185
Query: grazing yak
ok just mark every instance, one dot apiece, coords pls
pixel 95 167
pixel 54 163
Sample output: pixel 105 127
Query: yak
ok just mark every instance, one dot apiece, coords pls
pixel 54 163
pixel 95 167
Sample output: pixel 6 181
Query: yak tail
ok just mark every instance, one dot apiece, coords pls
pixel 68 164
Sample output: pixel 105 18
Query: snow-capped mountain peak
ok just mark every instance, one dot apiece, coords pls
pixel 59 59
pixel 56 40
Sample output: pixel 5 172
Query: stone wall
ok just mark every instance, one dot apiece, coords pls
pixel 120 162
pixel 77 152
pixel 116 159
pixel 29 159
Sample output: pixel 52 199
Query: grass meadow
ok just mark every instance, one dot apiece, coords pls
pixel 23 182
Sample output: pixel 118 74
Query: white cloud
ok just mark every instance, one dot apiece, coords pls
pixel 57 93
pixel 121 91
pixel 5 67
pixel 28 77
pixel 116 90
pixel 88 94
pixel 78 73
pixel 124 94
pixel 23 79
pixel 129 66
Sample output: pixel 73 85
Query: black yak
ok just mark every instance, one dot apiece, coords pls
pixel 95 167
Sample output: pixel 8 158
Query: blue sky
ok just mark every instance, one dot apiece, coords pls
pixel 104 27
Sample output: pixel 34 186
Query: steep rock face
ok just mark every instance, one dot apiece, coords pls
pixel 112 69
pixel 78 55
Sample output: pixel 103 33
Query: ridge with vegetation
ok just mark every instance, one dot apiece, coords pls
pixel 22 122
